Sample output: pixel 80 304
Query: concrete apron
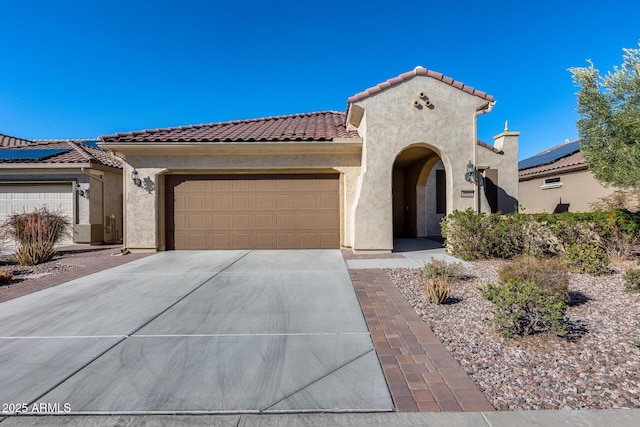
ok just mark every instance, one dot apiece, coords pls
pixel 195 332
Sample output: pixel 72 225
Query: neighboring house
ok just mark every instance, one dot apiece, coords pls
pixel 391 166
pixel 559 180
pixel 74 177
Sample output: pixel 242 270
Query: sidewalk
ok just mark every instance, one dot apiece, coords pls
pixel 613 417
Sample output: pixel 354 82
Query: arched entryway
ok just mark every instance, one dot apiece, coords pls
pixel 419 193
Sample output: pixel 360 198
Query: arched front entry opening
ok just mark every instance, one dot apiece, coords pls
pixel 419 193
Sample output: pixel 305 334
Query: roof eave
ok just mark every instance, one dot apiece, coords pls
pixel 337 145
pixel 556 171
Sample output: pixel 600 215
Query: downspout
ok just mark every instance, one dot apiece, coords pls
pixel 483 109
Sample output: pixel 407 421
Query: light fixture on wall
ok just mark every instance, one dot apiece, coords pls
pixel 469 176
pixel 136 180
pixel 81 192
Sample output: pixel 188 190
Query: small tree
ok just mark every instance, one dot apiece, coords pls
pixel 609 124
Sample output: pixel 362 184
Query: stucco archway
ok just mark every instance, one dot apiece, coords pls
pixel 419 192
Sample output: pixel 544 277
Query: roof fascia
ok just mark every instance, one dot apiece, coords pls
pixel 337 145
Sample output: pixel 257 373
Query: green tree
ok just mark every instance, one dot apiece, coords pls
pixel 609 124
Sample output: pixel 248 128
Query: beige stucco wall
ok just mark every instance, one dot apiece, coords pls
pixel 506 164
pixel 390 124
pixel 579 189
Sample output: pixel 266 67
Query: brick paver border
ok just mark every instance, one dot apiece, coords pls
pixel 421 373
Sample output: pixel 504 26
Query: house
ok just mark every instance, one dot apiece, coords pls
pixel 403 155
pixel 74 177
pixel 559 180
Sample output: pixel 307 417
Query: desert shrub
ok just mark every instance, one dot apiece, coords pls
pixel 587 258
pixel 5 276
pixel 632 280
pixel 36 233
pixel 619 199
pixel 470 235
pixel 464 234
pixel 436 274
pixel 440 268
pixel 523 308
pixel 549 274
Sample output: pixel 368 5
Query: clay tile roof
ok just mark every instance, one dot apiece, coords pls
pixel 7 141
pixel 489 147
pixel 319 126
pixel 419 71
pixel 78 151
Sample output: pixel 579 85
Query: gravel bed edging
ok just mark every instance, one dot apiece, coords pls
pixel 597 367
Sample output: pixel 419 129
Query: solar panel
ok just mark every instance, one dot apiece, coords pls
pixel 91 143
pixel 31 154
pixel 550 156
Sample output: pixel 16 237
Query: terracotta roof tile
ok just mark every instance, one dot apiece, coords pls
pixel 79 152
pixel 489 147
pixel 7 141
pixel 419 71
pixel 320 126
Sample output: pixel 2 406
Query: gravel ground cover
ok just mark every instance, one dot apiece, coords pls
pixel 595 366
pixel 23 273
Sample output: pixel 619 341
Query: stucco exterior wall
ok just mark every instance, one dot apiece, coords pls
pixel 390 124
pixel 506 164
pixel 578 189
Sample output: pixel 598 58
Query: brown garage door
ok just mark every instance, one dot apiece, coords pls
pixel 252 212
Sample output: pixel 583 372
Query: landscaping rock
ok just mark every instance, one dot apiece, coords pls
pixel 594 366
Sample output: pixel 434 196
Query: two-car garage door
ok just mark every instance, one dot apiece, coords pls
pixel 256 211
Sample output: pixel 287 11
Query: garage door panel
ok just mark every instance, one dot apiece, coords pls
pixel 241 202
pixel 284 201
pixel 310 221
pixel 26 198
pixel 262 211
pixel 241 240
pixel 265 240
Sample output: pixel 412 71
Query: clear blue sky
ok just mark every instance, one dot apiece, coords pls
pixel 78 69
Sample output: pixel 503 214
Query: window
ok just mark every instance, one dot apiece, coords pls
pixel 441 192
pixel 548 183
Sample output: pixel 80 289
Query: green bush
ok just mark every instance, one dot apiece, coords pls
pixel 464 234
pixel 632 280
pixel 440 268
pixel 523 308
pixel 36 233
pixel 470 235
pixel 436 274
pixel 587 258
pixel 549 274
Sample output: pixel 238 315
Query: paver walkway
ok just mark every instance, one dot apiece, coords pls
pixel 420 372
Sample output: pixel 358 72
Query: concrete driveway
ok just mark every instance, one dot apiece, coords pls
pixel 195 331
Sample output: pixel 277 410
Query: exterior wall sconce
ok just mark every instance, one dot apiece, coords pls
pixel 469 176
pixel 81 192
pixel 136 179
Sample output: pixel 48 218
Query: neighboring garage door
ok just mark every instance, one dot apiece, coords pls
pixel 25 198
pixel 252 212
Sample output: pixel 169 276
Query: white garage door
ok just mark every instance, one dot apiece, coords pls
pixel 24 198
